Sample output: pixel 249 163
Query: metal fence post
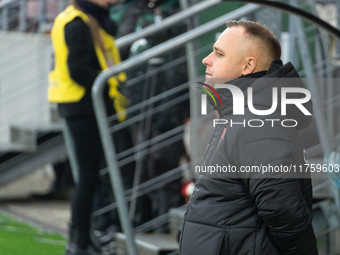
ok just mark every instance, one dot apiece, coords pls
pixel 22 16
pixel 4 18
pixel 113 169
pixel 292 41
pixel 41 20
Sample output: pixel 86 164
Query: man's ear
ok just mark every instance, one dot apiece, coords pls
pixel 249 66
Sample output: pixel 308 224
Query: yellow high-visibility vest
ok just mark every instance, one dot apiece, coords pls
pixel 62 88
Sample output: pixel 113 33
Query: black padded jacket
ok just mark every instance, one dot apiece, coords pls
pixel 248 213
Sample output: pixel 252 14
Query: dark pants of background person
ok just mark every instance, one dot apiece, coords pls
pixel 90 156
pixel 89 153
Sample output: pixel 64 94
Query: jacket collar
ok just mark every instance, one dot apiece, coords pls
pixel 100 14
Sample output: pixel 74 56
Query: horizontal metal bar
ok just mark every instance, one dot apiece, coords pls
pixel 143 145
pixel 167 22
pixel 144 152
pixel 152 100
pixel 147 226
pixel 322 185
pixel 159 108
pixel 152 224
pixel 160 96
pixel 152 149
pixel 155 71
pixel 145 187
pixel 166 66
pixel 151 141
pixel 24 163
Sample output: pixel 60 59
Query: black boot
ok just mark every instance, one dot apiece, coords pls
pixel 80 244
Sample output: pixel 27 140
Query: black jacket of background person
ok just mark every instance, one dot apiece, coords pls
pixel 245 213
pixel 82 60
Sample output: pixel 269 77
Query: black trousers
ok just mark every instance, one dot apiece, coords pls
pixel 89 154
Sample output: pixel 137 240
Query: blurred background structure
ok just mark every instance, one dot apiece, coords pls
pixel 163 60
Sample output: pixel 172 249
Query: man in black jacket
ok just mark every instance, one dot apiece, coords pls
pixel 249 199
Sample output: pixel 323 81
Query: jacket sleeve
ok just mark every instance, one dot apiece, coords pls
pixel 80 53
pixel 278 196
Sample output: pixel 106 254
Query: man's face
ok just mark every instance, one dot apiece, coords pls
pixel 227 59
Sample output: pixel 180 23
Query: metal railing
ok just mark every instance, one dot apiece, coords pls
pixel 29 15
pixel 104 120
pixel 102 117
pixel 114 161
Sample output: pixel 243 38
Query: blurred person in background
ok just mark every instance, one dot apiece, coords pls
pixel 83 43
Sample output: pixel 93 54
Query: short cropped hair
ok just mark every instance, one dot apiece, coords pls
pixel 259 31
